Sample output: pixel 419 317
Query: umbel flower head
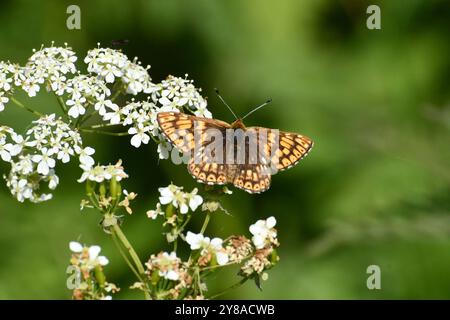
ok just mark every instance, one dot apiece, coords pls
pixel 90 282
pixel 264 232
pixel 33 158
pixel 174 195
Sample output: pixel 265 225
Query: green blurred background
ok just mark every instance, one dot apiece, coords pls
pixel 374 190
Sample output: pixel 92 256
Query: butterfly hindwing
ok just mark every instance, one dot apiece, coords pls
pixel 253 178
pixel 209 173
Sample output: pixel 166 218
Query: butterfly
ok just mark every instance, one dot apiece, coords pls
pixel 218 155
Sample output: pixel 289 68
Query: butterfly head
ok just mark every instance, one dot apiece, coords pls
pixel 238 124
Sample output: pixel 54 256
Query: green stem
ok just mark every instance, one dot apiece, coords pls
pixel 61 103
pixel 124 256
pixel 139 266
pixel 116 94
pixel 117 134
pixel 101 125
pixel 234 286
pixel 205 223
pixel 20 104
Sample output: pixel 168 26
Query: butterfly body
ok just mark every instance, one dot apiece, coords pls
pixel 222 153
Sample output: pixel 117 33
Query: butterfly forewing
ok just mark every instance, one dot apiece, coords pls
pixel 183 130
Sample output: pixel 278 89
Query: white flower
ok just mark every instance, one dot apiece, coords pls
pixel 44 161
pixel 77 108
pixel 153 214
pixel 263 231
pixel 194 199
pixel 95 258
pixel 5 151
pixel 202 111
pixel 3 101
pixel 168 264
pixel 53 180
pixel 85 156
pixel 198 241
pixel 140 135
pixel 101 105
pixel 101 173
pixel 173 194
pixel 114 116
pixel 163 148
pixel 65 153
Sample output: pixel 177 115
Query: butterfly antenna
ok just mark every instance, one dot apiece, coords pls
pixel 258 107
pixel 223 101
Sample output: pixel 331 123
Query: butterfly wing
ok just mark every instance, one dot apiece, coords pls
pixel 209 173
pixel 182 129
pixel 253 178
pixel 282 150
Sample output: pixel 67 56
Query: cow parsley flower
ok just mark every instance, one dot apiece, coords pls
pixel 33 157
pixel 44 161
pixel 101 173
pixel 153 214
pixel 3 100
pixel 91 258
pixel 166 264
pixel 263 232
pixel 208 246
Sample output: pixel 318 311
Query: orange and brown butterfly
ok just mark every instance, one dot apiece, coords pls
pixel 280 150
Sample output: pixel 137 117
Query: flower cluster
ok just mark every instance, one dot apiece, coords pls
pixel 179 199
pixel 33 157
pixel 265 241
pixel 112 64
pixel 85 91
pixel 168 270
pixel 49 65
pixel 105 191
pixel 87 278
pixel 101 173
pixel 177 93
pixel 7 72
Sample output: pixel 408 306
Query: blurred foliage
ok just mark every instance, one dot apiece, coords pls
pixel 374 190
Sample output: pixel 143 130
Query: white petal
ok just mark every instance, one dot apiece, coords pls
pixel 103 260
pixel 172 275
pixel 271 222
pixel 222 258
pixel 217 243
pixel 136 141
pixel 94 251
pixel 165 200
pixel 75 246
pixel 184 208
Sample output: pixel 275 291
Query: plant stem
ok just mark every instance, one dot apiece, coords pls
pixel 123 239
pixel 116 94
pixel 124 256
pixel 101 125
pixel 117 134
pixel 20 104
pixel 234 286
pixel 205 223
pixel 61 104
